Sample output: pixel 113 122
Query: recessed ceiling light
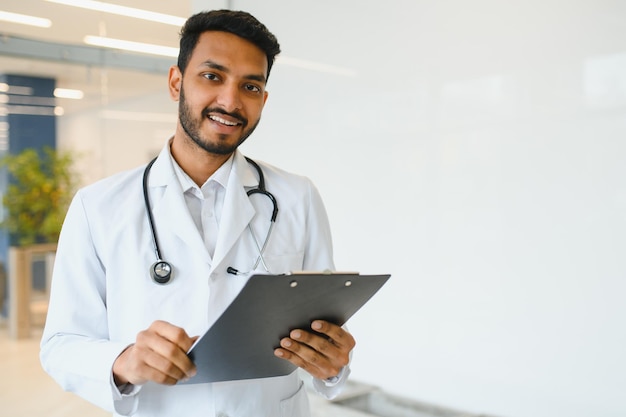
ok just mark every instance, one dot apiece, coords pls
pixel 25 19
pixel 124 11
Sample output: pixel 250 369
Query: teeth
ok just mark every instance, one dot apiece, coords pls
pixel 223 121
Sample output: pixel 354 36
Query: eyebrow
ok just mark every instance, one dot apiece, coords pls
pixel 219 67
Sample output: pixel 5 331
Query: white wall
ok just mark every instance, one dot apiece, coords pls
pixel 478 156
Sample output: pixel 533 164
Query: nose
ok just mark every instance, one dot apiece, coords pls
pixel 229 97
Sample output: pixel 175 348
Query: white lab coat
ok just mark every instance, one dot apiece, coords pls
pixel 102 294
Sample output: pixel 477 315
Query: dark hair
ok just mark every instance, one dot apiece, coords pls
pixel 239 23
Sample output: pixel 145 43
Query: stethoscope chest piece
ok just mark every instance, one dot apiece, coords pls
pixel 161 272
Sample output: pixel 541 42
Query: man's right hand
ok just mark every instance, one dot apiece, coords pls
pixel 158 355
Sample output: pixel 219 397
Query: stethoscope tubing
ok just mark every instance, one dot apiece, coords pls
pixel 261 189
pixel 161 265
pixel 146 199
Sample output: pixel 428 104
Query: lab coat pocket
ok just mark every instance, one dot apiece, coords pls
pixel 297 405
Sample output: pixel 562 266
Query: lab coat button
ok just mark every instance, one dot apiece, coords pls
pixel 222 415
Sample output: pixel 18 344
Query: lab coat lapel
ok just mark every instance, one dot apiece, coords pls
pixel 169 209
pixel 238 211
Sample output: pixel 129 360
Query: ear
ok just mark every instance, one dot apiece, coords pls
pixel 265 97
pixel 174 82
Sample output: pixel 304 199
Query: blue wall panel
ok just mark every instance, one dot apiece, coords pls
pixel 28 112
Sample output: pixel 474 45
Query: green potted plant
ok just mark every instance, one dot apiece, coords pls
pixel 35 203
pixel 39 194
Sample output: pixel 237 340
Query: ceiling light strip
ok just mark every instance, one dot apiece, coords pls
pixel 68 93
pixel 145 48
pixel 25 19
pixel 148 48
pixel 123 11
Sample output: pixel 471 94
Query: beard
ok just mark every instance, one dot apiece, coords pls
pixel 192 128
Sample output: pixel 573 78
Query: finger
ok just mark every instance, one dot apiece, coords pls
pixel 148 365
pixel 306 355
pixel 137 365
pixel 335 355
pixel 320 344
pixel 171 343
pixel 164 355
pixel 174 334
pixel 159 355
pixel 337 334
pixel 303 357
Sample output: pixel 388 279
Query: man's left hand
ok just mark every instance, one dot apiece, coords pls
pixel 323 355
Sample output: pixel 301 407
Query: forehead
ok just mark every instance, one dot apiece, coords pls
pixel 234 53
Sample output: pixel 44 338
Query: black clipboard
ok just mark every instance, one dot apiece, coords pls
pixel 241 343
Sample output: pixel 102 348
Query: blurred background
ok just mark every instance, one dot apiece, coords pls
pixel 474 150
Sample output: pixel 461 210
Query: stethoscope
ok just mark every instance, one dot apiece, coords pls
pixel 161 270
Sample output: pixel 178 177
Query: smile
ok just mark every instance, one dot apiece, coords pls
pixel 223 121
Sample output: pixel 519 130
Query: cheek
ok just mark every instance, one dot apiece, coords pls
pixel 255 109
pixel 194 107
pixel 198 95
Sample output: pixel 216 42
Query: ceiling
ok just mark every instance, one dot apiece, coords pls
pixel 69 26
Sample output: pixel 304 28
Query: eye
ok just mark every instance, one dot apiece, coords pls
pixel 253 88
pixel 210 76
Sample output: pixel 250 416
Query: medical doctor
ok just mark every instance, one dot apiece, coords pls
pixel 148 259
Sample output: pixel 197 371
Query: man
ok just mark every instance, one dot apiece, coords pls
pixel 118 338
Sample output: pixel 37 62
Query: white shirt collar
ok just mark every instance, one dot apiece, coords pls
pixel 186 183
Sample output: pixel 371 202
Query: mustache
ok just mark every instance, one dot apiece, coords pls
pixel 235 114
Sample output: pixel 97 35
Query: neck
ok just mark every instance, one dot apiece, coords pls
pixel 195 161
